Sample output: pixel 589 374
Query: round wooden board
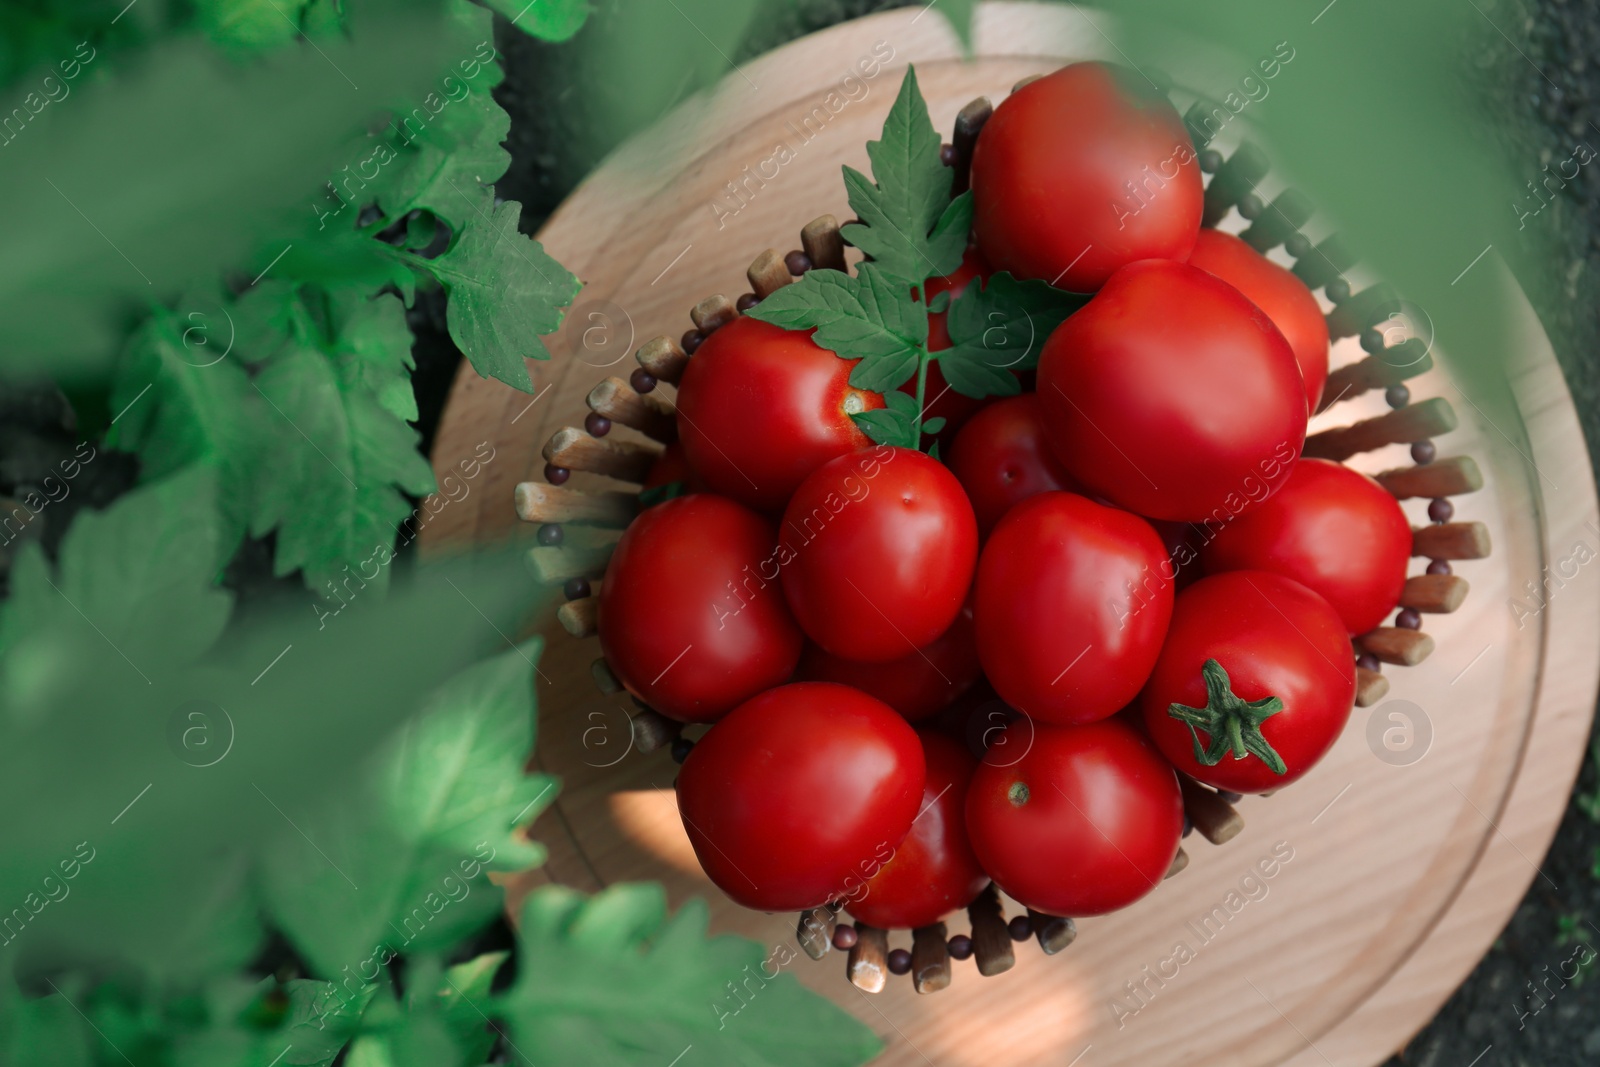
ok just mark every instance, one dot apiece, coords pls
pixel 1401 875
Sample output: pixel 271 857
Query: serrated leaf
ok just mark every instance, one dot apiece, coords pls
pixel 587 996
pixel 446 146
pixel 997 328
pixel 134 592
pixel 374 345
pixel 505 290
pixel 331 486
pixel 181 398
pixel 895 424
pixel 399 854
pixel 907 197
pixel 870 317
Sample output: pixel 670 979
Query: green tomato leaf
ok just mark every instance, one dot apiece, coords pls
pixel 182 397
pixel 871 317
pixel 913 231
pixel 133 592
pixel 610 979
pixel 399 855
pixel 374 345
pixel 934 425
pixel 446 145
pixel 331 481
pixel 997 328
pixel 895 424
pixel 505 290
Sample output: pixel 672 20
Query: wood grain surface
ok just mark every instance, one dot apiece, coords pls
pixel 1392 872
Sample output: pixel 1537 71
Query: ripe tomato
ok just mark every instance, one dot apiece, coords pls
pixel 1085 821
pixel 1173 396
pixel 1082 172
pixel 760 407
pixel 1276 291
pixel 941 401
pixel 800 793
pixel 878 552
pixel 916 685
pixel 1271 637
pixel 1000 457
pixel 1333 530
pixel 933 871
pixel 692 619
pixel 1073 599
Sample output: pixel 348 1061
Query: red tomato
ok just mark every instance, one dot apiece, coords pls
pixel 878 552
pixel 1001 456
pixel 1072 603
pixel 1333 530
pixel 759 408
pixel 939 400
pixel 1085 821
pixel 917 685
pixel 933 871
pixel 692 619
pixel 1082 172
pixel 1272 638
pixel 1173 395
pixel 1276 291
pixel 799 794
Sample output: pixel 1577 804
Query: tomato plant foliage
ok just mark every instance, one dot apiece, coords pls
pixel 262 831
pixel 912 230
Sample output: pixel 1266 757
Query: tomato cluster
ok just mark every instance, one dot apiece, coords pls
pixel 1130 555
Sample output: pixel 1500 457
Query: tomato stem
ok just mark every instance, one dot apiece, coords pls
pixel 1232 723
pixel 924 357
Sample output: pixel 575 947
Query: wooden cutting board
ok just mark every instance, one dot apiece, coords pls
pixel 1401 873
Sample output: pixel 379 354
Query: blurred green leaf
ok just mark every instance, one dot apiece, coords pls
pixel 640 58
pixel 135 590
pixel 466 988
pixel 253 24
pixel 553 20
pixel 1373 111
pixel 200 176
pixel 960 15
pixel 181 398
pixel 398 854
pixel 610 979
